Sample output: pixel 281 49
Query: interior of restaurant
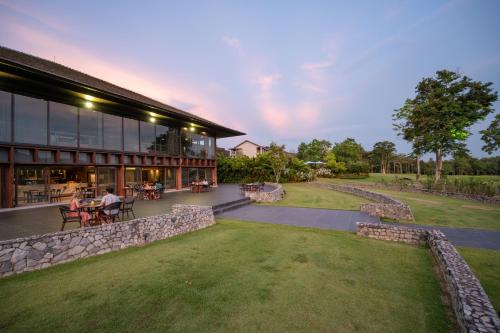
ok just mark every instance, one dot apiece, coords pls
pixel 42 184
pixel 150 175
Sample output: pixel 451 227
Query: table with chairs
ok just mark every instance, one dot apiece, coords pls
pixel 252 187
pixel 97 214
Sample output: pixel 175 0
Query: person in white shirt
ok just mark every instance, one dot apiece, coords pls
pixel 108 199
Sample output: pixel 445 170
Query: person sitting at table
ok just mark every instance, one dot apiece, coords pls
pixel 158 189
pixel 74 205
pixel 108 199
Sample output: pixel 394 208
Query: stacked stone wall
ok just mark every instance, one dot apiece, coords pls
pixel 385 206
pixel 272 196
pixel 36 252
pixel 413 189
pixel 472 307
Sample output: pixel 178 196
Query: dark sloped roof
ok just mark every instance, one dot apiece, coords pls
pixel 61 71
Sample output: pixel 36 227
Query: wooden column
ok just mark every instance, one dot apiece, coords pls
pixel 214 175
pixel 10 181
pixel 120 180
pixel 178 178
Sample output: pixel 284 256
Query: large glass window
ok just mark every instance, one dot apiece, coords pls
pixel 63 125
pixel 90 129
pixel 167 140
pixel 197 145
pixel 131 134
pixel 147 137
pixel 30 185
pixel 106 177
pixel 30 120
pixel 5 116
pixel 112 132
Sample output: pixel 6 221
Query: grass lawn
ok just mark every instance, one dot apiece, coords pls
pixel 309 195
pixel 235 276
pixel 486 267
pixel 431 209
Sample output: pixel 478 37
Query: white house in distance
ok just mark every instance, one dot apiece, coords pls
pixel 247 148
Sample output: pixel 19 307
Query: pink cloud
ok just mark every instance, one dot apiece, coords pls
pixel 266 82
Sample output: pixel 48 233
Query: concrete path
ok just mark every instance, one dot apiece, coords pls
pixel 302 217
pixel 346 220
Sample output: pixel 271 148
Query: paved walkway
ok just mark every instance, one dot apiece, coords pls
pixel 303 217
pixel 37 221
pixel 346 220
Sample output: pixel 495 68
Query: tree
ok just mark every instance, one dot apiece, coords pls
pixel 314 150
pixel 384 151
pixel 277 159
pixel 348 151
pixel 333 165
pixel 442 112
pixel 491 136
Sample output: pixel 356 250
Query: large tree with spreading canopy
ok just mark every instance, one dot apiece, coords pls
pixel 438 119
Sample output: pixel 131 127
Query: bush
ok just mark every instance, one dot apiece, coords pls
pixel 242 169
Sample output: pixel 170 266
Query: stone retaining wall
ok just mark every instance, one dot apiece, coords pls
pixel 392 233
pixel 472 307
pixel 275 195
pixel 385 206
pixel 36 252
pixel 412 189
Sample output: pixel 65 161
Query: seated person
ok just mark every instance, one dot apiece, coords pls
pixel 108 199
pixel 74 204
pixel 158 189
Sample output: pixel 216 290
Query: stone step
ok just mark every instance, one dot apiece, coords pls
pixel 231 205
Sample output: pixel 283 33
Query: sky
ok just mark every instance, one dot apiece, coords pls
pixel 283 71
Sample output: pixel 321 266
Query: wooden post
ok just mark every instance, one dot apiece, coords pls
pixel 178 178
pixel 10 181
pixel 120 180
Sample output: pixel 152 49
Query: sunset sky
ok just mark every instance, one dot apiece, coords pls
pixel 286 71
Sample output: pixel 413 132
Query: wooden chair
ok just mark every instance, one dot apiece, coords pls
pixel 69 216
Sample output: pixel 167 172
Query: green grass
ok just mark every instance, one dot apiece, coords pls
pixel 309 195
pixel 431 209
pixel 235 276
pixel 486 266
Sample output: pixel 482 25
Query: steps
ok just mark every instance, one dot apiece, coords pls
pixel 217 209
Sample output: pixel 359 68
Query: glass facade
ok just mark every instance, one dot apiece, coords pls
pixel 112 132
pixel 63 120
pixel 131 135
pixel 90 129
pixel 106 177
pixel 198 145
pixel 39 122
pixel 30 120
pixel 5 116
pixel 147 137
pixel 167 140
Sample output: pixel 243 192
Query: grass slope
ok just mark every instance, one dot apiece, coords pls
pixel 310 196
pixel 431 209
pixel 486 266
pixel 234 276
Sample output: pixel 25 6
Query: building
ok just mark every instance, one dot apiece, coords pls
pixel 61 129
pixel 247 148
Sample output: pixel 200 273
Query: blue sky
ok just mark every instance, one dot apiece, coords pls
pixel 287 71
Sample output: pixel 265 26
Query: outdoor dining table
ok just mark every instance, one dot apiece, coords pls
pixel 91 207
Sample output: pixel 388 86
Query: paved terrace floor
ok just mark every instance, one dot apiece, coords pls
pixel 37 221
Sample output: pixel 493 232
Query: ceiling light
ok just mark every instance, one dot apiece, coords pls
pixel 88 104
pixel 191 129
pixel 88 97
pixel 152 119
